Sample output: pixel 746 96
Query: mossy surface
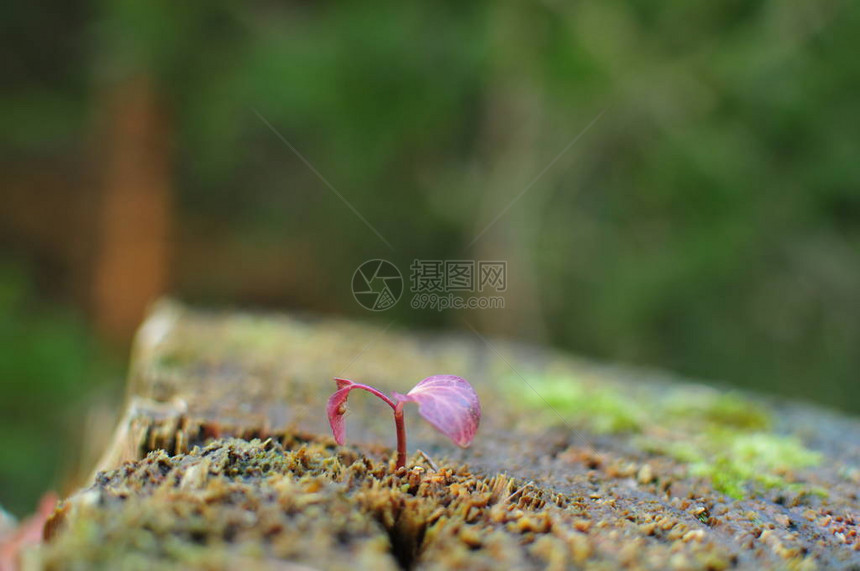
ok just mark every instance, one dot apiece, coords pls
pixel 726 437
pixel 238 503
pixel 253 503
pixel 574 466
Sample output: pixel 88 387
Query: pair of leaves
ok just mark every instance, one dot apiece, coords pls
pixel 447 402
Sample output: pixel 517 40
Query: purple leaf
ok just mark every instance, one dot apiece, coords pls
pixel 336 408
pixel 449 403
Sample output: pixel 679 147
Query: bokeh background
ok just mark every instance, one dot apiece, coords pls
pixel 707 222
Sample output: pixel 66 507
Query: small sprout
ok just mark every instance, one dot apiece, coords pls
pixel 447 402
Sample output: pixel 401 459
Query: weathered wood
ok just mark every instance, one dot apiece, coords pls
pixel 224 457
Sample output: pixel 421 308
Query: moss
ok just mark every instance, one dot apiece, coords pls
pixel 170 361
pixel 235 503
pixel 719 436
pixel 734 460
pixel 603 410
pixel 768 451
pixel 255 333
pixel 729 410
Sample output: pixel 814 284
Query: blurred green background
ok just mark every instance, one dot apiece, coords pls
pixel 706 221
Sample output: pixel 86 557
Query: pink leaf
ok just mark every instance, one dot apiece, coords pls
pixel 450 404
pixel 336 408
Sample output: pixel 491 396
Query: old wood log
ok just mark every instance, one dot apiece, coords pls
pixel 224 458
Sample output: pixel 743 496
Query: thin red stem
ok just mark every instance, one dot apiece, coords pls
pixel 372 391
pixel 401 435
pixel 399 423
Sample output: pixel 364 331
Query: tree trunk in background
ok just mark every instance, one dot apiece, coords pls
pixel 135 212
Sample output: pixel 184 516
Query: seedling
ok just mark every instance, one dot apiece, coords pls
pixel 447 402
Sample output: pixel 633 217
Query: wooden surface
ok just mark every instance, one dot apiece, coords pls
pixel 628 470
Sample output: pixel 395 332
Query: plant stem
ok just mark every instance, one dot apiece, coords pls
pixel 375 392
pixel 401 435
pixel 399 424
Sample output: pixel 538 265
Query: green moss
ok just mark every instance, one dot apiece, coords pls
pixel 719 436
pixel 255 334
pixel 735 461
pixel 729 410
pixel 171 361
pixel 769 451
pixel 603 410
